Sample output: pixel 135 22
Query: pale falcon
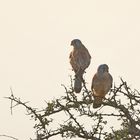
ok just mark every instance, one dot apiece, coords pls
pixel 101 84
pixel 79 60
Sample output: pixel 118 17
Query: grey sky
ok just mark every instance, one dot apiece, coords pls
pixel 35 44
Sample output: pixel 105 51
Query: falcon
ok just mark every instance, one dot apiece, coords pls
pixel 79 60
pixel 101 84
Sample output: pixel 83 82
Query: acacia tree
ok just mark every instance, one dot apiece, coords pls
pixel 80 119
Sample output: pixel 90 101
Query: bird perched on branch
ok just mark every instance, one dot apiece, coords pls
pixel 101 84
pixel 79 60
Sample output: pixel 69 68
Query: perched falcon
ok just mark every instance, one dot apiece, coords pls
pixel 101 84
pixel 79 60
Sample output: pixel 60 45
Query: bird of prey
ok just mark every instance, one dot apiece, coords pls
pixel 79 60
pixel 101 84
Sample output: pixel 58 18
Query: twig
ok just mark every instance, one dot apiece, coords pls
pixel 9 137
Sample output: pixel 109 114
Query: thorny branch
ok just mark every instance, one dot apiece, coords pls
pixel 80 106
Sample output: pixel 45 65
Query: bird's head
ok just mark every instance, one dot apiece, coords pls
pixel 76 43
pixel 103 68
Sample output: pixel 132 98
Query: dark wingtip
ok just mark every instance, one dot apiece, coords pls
pixel 97 102
pixel 96 105
pixel 77 90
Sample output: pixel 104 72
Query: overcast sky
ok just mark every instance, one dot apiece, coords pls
pixel 35 38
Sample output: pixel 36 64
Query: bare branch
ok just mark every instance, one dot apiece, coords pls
pixel 78 106
pixel 8 137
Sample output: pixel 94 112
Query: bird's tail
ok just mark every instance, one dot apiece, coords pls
pixel 77 84
pixel 97 101
pixel 78 81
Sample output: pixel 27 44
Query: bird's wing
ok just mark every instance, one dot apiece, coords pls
pixel 79 59
pixel 108 81
pixel 83 58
